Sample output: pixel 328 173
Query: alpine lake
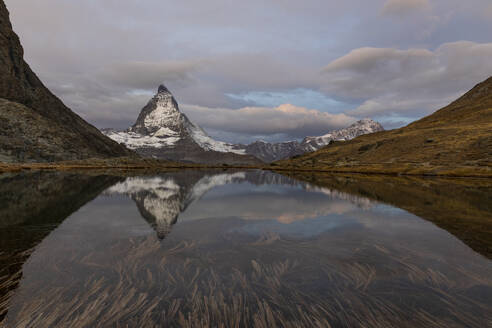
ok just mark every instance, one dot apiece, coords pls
pixel 226 248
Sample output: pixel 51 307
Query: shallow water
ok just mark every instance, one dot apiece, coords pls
pixel 246 249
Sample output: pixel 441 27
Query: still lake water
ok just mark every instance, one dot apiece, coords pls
pixel 242 249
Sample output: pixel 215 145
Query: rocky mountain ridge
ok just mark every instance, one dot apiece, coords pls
pixel 162 131
pixel 270 152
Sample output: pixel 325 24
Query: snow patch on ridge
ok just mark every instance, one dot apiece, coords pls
pixel 207 143
pixel 164 132
pixel 361 127
pixel 135 140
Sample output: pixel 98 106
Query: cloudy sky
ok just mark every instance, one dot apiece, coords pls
pixel 270 69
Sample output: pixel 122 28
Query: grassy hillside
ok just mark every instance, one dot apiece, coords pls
pixel 455 140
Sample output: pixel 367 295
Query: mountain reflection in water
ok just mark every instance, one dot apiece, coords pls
pixel 247 249
pixel 161 199
pixel 31 206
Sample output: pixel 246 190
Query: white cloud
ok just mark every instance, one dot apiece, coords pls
pixel 403 7
pixel 416 80
pixel 285 119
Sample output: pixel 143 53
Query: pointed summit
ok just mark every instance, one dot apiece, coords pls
pixel 161 111
pixel 162 131
pixel 162 88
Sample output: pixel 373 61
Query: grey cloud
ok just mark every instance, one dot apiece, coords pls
pixel 147 75
pixel 402 7
pixel 394 103
pixel 370 72
pixel 256 71
pixel 488 12
pixel 414 80
pixel 101 106
pixel 286 119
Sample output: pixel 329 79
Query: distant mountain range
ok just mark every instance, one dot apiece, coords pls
pixel 162 131
pixel 35 126
pixel 455 140
pixel 270 152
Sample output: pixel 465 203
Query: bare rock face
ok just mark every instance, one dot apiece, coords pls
pixel 19 85
pixel 161 111
pixel 270 152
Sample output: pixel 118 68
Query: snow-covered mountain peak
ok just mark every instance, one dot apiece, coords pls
pixel 367 124
pixel 161 125
pixel 161 111
pixel 359 128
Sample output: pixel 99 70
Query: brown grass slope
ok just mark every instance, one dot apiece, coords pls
pixel 19 84
pixel 455 140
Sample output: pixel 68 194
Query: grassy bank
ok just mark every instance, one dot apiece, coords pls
pixel 116 164
pixel 410 169
pixel 127 164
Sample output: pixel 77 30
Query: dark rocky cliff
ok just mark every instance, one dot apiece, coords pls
pixel 19 85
